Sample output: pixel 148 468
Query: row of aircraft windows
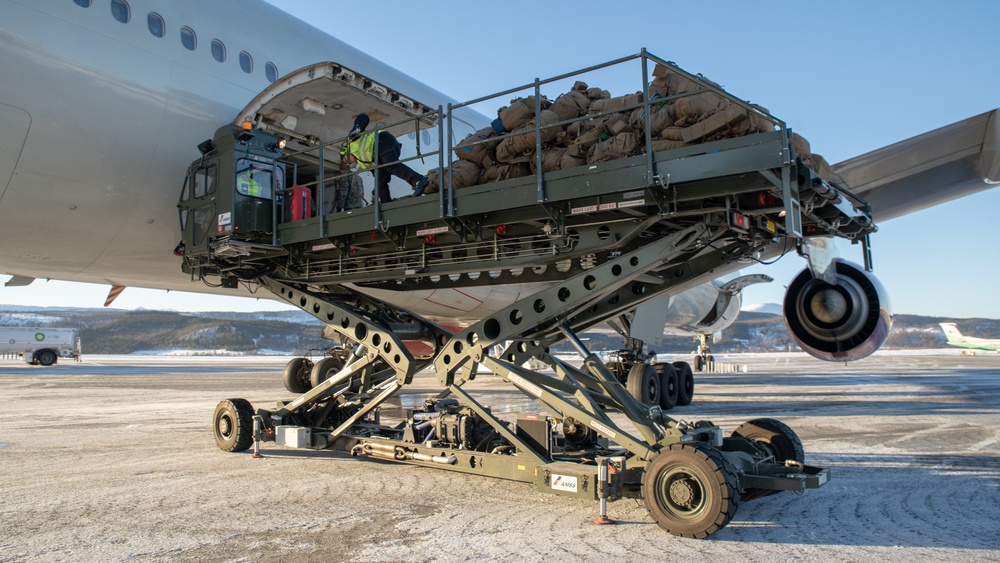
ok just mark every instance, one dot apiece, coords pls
pixel 121 11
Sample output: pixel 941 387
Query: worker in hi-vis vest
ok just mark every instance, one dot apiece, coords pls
pixel 359 153
pixel 246 184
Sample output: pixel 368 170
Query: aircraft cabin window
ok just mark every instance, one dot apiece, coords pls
pixel 121 11
pixel 246 62
pixel 82 3
pixel 156 24
pixel 188 38
pixel 218 50
pixel 271 72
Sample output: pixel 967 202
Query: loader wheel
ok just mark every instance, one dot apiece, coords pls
pixel 644 384
pixel 324 369
pixel 669 386
pixel 690 490
pixel 297 375
pixel 46 357
pixel 777 439
pixel 233 425
pixel 685 383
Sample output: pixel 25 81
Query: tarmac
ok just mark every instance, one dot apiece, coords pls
pixel 113 459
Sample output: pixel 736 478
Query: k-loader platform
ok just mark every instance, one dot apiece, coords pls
pixel 585 244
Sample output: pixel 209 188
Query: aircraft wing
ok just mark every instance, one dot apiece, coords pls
pixel 944 164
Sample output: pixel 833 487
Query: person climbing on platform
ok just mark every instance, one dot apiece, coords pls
pixel 360 152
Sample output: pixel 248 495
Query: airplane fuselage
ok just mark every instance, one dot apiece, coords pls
pixel 105 116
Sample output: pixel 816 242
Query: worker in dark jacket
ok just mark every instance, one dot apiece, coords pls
pixel 360 151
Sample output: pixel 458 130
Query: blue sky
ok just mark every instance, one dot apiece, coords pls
pixel 849 76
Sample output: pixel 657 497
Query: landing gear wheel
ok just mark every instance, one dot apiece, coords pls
pixel 325 368
pixel 690 490
pixel 232 425
pixel 644 384
pixel 685 383
pixel 669 385
pixel 45 357
pixel 297 374
pixel 777 439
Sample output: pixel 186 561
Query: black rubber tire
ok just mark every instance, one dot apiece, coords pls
pixel 325 368
pixel 685 383
pixel 690 490
pixel 45 357
pixel 778 439
pixel 644 384
pixel 669 385
pixel 699 363
pixel 232 425
pixel 297 375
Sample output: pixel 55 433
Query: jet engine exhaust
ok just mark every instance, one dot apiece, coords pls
pixel 838 323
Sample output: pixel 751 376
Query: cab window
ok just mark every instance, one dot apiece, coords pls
pixel 253 178
pixel 201 222
pixel 205 180
pixel 186 190
pixel 185 195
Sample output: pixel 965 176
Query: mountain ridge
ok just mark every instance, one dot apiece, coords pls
pixel 118 331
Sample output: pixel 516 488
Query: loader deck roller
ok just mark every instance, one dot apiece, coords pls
pixel 594 242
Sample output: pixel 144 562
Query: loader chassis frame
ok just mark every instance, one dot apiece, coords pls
pixel 593 242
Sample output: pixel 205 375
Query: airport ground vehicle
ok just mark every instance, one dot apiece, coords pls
pixel 587 243
pixel 40 346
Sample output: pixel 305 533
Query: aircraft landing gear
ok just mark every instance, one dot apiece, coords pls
pixel 685 383
pixel 296 375
pixel 704 359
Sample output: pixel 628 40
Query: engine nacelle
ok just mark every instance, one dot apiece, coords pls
pixel 838 323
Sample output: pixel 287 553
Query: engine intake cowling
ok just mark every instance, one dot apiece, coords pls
pixel 842 322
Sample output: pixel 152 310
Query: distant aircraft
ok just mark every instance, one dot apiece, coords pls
pixel 955 338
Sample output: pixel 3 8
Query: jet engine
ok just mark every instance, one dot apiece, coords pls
pixel 842 322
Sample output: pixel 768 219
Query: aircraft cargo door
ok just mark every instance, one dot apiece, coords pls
pixel 322 100
pixel 14 122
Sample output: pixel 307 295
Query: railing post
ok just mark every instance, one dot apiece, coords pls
pixel 274 204
pixel 647 108
pixel 321 193
pixel 375 163
pixel 442 210
pixel 451 184
pixel 538 141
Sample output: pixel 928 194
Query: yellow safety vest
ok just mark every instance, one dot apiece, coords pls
pixel 363 148
pixel 248 186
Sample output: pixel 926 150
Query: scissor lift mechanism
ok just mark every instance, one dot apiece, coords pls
pixel 596 241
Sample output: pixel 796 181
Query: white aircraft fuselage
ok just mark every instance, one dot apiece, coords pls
pixel 99 120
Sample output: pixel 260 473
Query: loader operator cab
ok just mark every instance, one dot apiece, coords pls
pixel 229 193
